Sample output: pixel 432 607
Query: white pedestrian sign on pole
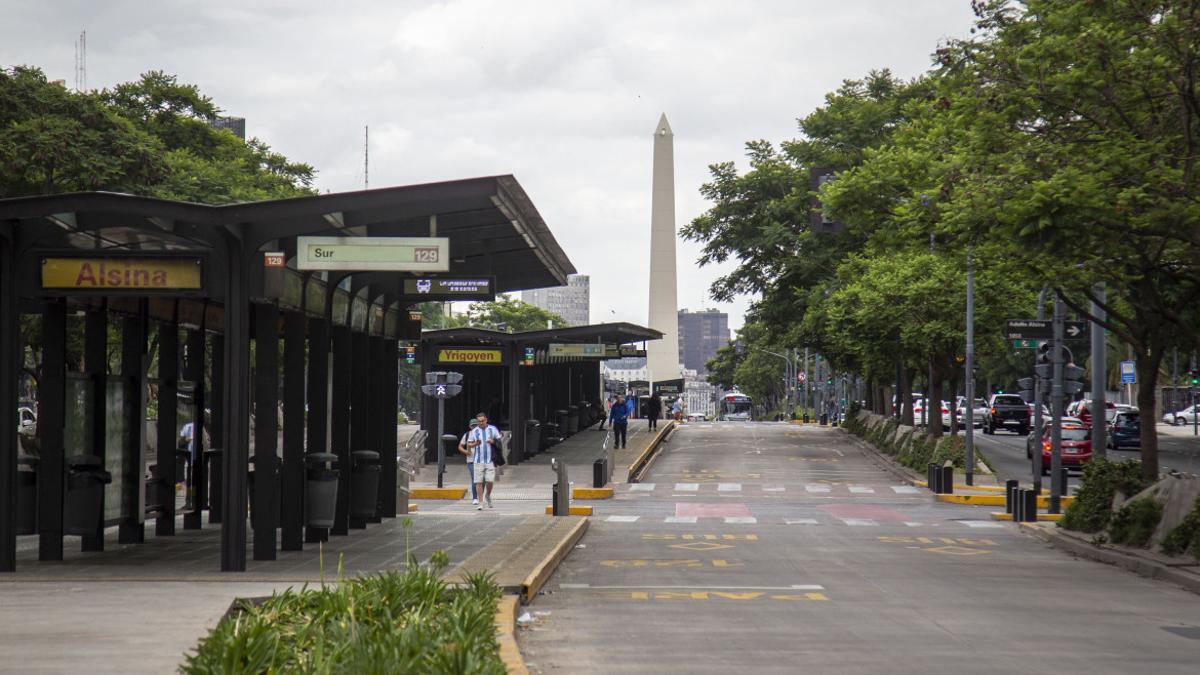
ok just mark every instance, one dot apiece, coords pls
pixel 1128 373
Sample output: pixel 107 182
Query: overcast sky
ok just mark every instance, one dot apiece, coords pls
pixel 562 94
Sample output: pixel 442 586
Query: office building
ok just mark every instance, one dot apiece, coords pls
pixel 571 302
pixel 701 334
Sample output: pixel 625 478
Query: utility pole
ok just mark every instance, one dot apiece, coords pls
pixel 366 157
pixel 969 408
pixel 1099 381
pixel 1056 409
pixel 1038 395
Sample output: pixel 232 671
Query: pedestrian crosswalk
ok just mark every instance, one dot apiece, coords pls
pixel 823 520
pixel 830 488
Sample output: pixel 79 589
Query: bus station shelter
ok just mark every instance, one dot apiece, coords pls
pixel 520 377
pixel 219 316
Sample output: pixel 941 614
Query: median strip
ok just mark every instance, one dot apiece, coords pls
pixel 994 500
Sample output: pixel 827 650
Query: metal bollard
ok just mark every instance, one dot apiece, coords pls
pixel 599 473
pixel 932 480
pixel 1063 483
pixel 1010 488
pixel 1029 508
pixel 1018 504
pixel 947 479
pixel 561 497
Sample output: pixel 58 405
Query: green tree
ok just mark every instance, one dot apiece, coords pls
pixel 506 313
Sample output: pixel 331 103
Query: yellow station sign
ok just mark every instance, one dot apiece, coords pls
pixel 486 357
pixel 121 274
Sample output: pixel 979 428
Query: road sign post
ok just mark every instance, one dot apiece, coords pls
pixel 1056 410
pixel 442 385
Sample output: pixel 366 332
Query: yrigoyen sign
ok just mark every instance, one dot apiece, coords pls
pixel 370 254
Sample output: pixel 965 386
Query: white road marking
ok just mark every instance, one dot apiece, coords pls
pixel 867 522
pixel 862 490
pixel 621 519
pixel 800 521
pixel 687 487
pixel 906 490
pixel 773 488
pixel 642 487
pixel 793 587
pixel 689 520
pixel 729 487
pixel 981 523
pixel 912 524
pixel 817 488
pixel 740 520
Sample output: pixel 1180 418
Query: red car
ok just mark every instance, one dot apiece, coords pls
pixel 1076 447
pixel 1084 413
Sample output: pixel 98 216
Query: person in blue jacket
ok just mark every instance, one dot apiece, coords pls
pixel 619 417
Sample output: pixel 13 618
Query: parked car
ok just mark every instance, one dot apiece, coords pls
pixel 919 407
pixel 1182 417
pixel 1007 411
pixel 1076 444
pixel 1126 430
pixel 1084 411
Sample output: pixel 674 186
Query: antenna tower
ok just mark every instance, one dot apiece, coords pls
pixel 81 62
pixel 366 157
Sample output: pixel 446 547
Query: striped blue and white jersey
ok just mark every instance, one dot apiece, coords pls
pixel 487 438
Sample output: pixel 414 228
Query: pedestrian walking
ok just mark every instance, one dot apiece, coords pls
pixel 462 448
pixel 654 408
pixel 677 409
pixel 484 444
pixel 619 416
pixel 608 403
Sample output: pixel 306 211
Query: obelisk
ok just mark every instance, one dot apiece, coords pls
pixel 662 356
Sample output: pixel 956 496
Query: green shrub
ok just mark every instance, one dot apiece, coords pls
pixel 1185 537
pixel 398 622
pixel 1133 524
pixel 401 418
pixel 1092 508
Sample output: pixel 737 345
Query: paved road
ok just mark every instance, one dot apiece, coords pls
pixel 769 547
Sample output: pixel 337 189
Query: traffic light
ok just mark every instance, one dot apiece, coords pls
pixel 1044 368
pixel 1193 377
pixel 1072 378
pixel 1026 385
pixel 829 380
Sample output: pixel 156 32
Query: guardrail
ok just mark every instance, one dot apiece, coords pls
pixel 644 460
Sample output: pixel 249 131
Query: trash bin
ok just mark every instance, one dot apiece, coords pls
pixel 26 494
pixel 278 463
pixel 550 435
pixel 533 438
pixel 86 479
pixel 600 473
pixel 563 418
pixel 364 483
pixel 572 420
pixel 320 489
pixel 824 419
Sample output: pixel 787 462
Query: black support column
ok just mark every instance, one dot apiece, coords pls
pixel 215 396
pixel 132 529
pixel 235 433
pixel 194 371
pixel 9 347
pixel 291 514
pixel 318 402
pixel 95 361
pixel 339 423
pixel 51 422
pixel 377 422
pixel 514 394
pixel 168 423
pixel 266 429
pixel 360 395
pixel 389 368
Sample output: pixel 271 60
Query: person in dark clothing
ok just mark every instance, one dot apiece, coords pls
pixel 654 410
pixel 619 417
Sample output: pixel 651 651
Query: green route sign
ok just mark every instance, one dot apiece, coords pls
pixel 373 254
pixel 1025 344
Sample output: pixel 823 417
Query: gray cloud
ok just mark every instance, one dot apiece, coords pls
pixel 564 95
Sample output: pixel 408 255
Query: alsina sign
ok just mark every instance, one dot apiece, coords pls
pixel 122 274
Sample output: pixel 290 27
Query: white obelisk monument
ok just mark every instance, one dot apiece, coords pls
pixel 662 356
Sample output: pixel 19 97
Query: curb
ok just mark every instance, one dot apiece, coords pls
pixel 1127 561
pixel 644 460
pixel 978 488
pixel 506 619
pixel 1042 517
pixel 572 511
pixel 541 574
pixel 994 500
pixel 883 461
pixel 453 493
pixel 592 493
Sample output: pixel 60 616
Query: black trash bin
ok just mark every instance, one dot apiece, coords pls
pixel 533 438
pixel 364 483
pixel 252 479
pixel 27 494
pixel 86 479
pixel 572 420
pixel 563 419
pixel 320 489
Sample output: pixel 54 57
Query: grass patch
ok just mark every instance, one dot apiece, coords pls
pixel 1185 537
pixel 1102 479
pixel 391 622
pixel 1133 524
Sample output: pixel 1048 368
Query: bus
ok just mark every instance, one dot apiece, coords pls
pixel 736 407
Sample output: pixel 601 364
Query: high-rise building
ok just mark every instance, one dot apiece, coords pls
pixel 571 302
pixel 701 334
pixel 237 125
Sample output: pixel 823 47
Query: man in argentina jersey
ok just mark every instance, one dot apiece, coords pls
pixel 484 441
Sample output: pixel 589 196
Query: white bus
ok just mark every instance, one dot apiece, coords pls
pixel 737 407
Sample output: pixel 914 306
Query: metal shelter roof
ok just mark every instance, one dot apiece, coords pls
pixel 612 333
